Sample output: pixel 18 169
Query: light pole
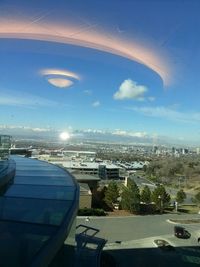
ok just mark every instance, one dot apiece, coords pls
pixel 160 203
pixel 176 206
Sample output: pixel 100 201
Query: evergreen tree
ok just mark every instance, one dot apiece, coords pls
pixel 196 199
pixel 180 196
pixel 111 194
pixel 98 198
pixel 131 197
pixel 146 195
pixel 160 197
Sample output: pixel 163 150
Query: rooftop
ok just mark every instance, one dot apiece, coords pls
pixel 85 177
pixel 85 165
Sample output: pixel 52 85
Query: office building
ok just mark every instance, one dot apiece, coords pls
pixel 5 144
pixel 104 171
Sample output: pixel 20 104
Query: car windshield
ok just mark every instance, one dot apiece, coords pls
pixel 99 133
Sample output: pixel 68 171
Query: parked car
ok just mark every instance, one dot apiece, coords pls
pixel 181 232
pixel 163 245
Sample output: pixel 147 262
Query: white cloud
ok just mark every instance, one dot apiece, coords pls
pixel 93 131
pixel 40 129
pixel 60 82
pixel 168 113
pixel 129 89
pixel 96 104
pixel 60 78
pixel 118 132
pixel 130 133
pixel 139 134
pixel 59 73
pixel 24 128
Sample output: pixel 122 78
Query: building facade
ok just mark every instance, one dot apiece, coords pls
pixel 5 144
pixel 104 171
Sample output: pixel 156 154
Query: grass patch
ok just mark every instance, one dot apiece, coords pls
pixel 186 221
pixel 189 209
pixel 140 172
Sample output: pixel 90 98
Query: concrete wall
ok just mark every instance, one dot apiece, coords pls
pixel 85 201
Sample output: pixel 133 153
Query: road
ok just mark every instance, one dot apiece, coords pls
pixel 135 227
pixel 136 235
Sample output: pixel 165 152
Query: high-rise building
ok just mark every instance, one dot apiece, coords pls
pixel 5 144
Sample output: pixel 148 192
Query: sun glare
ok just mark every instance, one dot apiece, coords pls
pixel 64 136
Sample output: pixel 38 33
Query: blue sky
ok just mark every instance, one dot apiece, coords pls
pixel 133 67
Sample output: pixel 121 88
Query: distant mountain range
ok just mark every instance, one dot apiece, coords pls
pixel 116 136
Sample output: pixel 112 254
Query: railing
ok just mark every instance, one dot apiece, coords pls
pixel 89 247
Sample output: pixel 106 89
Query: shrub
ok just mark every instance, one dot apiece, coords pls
pixel 91 212
pixel 147 208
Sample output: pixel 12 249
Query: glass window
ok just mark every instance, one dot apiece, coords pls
pixel 43 180
pixel 32 210
pixel 20 242
pixel 43 191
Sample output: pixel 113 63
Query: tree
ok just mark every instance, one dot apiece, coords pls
pixel 180 196
pixel 111 194
pixel 196 199
pixel 131 197
pixel 146 195
pixel 191 165
pixel 144 168
pixel 98 198
pixel 160 197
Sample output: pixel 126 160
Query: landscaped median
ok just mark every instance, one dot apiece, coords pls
pixel 184 221
pixel 190 209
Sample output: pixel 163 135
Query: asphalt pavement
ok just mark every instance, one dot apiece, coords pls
pixel 135 227
pixel 130 240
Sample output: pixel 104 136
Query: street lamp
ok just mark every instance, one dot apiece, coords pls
pixel 176 206
pixel 160 203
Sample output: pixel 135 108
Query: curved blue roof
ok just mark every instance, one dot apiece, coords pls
pixel 36 213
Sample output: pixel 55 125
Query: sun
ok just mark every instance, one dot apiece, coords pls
pixel 64 136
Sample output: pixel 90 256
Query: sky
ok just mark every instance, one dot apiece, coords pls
pixel 127 68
